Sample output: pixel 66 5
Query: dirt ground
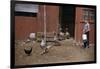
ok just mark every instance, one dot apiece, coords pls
pixel 67 52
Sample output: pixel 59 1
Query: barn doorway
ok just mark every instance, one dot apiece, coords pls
pixel 67 19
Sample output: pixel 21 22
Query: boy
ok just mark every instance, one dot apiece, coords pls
pixel 86 30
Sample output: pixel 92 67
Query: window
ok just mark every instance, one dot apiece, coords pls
pixel 92 15
pixel 88 14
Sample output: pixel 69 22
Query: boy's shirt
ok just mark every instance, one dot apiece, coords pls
pixel 86 27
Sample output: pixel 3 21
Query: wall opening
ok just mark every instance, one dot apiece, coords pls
pixel 67 19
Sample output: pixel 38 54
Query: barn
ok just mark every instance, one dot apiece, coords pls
pixel 31 17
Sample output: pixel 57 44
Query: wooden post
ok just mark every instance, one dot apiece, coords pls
pixel 45 23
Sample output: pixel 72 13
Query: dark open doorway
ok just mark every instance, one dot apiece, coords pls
pixel 67 19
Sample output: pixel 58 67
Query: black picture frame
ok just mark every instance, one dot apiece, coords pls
pixel 12 47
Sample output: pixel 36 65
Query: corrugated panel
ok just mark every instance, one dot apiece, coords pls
pixel 33 8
